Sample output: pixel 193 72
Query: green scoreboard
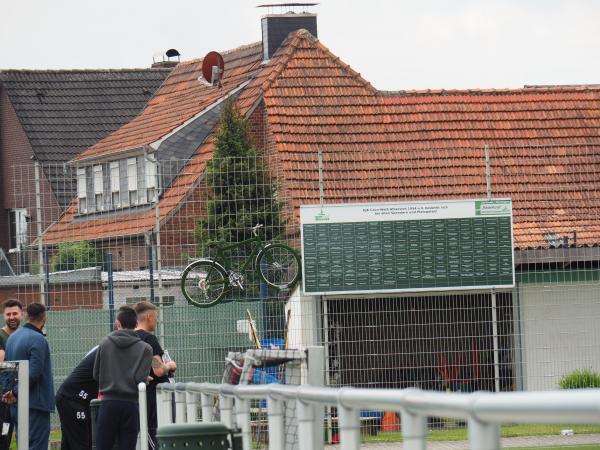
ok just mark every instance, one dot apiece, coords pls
pixel 410 246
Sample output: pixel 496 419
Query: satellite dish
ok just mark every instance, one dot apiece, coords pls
pixel 213 67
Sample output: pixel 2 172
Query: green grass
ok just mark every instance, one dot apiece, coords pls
pixel 558 447
pixel 54 437
pixel 460 434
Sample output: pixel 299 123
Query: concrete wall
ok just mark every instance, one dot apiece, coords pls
pixel 560 331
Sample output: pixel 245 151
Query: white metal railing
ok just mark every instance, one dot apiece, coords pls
pixel 484 412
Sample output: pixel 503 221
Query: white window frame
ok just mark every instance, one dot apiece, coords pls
pixel 115 184
pixel 132 181
pixel 150 181
pixel 82 190
pixel 98 182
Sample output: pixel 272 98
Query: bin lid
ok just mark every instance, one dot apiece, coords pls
pixel 192 429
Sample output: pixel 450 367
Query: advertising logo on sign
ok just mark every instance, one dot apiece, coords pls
pixel 493 208
pixel 322 216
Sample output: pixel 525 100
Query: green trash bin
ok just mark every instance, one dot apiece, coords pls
pixel 94 406
pixel 205 436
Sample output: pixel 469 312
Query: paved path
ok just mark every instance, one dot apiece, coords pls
pixel 526 441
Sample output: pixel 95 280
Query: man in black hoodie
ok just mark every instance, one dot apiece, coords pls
pixel 122 362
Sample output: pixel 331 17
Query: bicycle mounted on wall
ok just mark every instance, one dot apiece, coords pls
pixel 205 281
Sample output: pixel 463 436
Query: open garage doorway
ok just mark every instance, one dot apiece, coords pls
pixel 435 342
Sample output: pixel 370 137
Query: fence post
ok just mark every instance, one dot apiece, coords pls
pixel 349 424
pixel 483 436
pixel 316 377
pixel 167 407
pixel 226 409
pixel 306 422
pixel 180 407
pixel 206 404
pixel 414 428
pixel 276 424
pixel 242 407
pixel 142 400
pixel 23 406
pixel 191 400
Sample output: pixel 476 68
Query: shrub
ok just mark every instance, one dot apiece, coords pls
pixel 580 379
pixel 76 255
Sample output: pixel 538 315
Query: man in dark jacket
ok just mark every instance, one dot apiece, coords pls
pixel 73 404
pixel 122 362
pixel 29 343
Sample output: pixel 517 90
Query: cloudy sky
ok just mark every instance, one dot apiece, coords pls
pixel 395 44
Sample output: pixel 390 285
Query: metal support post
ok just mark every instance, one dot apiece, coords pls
pixel 143 416
pixel 191 401
pixel 23 406
pixel 306 425
pixel 484 436
pixel 180 407
pixel 495 342
pixel 38 220
pixel 316 377
pixel 167 407
pixel 276 424
pixel 150 266
pixel 206 401
pixel 111 292
pixel 349 423
pixel 160 413
pixel 226 409
pixel 414 431
pixel 242 408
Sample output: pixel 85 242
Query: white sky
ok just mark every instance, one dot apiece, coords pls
pixel 401 44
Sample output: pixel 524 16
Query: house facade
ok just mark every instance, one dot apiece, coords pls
pixel 49 117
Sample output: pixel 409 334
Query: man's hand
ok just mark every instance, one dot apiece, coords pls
pixel 171 366
pixel 9 398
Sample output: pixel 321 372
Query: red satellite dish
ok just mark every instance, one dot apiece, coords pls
pixel 213 60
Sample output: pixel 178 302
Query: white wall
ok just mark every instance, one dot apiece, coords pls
pixel 560 327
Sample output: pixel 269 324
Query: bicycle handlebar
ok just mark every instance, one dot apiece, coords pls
pixel 255 228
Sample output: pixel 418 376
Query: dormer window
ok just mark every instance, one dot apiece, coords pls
pixel 126 183
pixel 82 191
pixel 132 181
pixel 98 188
pixel 115 185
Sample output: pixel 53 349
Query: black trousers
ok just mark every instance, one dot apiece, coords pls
pixel 5 418
pixel 75 423
pixel 118 422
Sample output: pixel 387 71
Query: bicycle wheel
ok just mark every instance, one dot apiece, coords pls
pixel 278 265
pixel 203 283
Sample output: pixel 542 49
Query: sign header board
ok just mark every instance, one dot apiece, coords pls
pixel 408 246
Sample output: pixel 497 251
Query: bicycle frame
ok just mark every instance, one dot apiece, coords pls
pixel 226 261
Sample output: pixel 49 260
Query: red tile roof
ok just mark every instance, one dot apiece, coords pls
pixel 179 99
pixel 378 146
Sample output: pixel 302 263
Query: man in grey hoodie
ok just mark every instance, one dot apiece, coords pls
pixel 123 361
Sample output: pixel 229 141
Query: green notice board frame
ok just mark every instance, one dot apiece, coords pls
pixel 363 248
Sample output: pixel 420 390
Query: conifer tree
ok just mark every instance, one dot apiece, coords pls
pixel 241 193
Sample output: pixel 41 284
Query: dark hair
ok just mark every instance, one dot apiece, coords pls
pixel 12 302
pixel 142 307
pixel 127 317
pixel 35 311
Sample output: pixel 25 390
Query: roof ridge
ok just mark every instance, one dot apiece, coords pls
pixel 42 71
pixel 226 52
pixel 497 91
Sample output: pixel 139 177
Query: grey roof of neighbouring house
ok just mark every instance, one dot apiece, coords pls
pixel 63 112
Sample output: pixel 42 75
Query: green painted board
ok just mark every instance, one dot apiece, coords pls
pixel 416 246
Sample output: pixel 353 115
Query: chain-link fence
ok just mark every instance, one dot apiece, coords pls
pixel 135 224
